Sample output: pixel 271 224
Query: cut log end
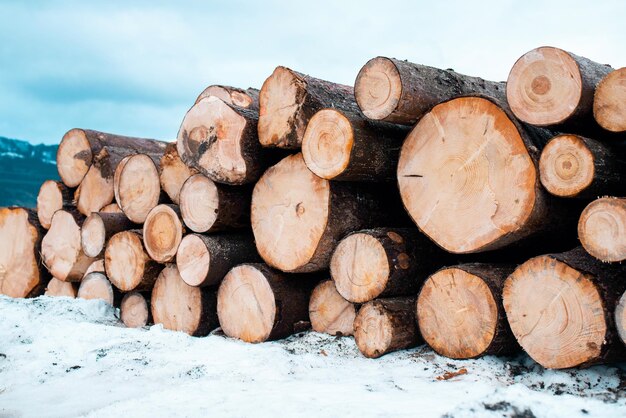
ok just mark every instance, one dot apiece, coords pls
pixel 193 260
pixel 378 89
pixel 74 157
pixel 162 233
pixel 544 86
pixel 457 314
pixel 237 97
pixel 373 330
pixel 95 191
pixel 93 235
pixel 602 229
pixel 289 213
pixel 563 324
pixel 137 186
pixel 125 260
pixel 49 200
pixel 465 175
pixel 58 288
pixel 620 317
pixel 96 286
pixel 566 166
pixel 329 312
pixel 134 310
pixel 360 268
pixel 609 104
pixel 246 305
pixel 327 143
pixel 174 173
pixel 199 203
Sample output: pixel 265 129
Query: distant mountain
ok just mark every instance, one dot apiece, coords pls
pixel 23 167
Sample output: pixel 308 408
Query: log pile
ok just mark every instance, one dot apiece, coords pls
pixel 420 205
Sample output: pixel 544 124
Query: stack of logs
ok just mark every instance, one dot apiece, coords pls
pixel 275 210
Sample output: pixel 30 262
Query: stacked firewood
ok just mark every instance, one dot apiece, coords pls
pixel 420 205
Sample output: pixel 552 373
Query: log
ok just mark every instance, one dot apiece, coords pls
pixel 53 196
pixel 135 310
pixel 96 189
pixel 569 321
pixel 174 172
pixel 620 317
pixel 96 266
pixel 551 87
pixel 96 286
pixel 468 178
pixel 329 312
pixel 383 262
pixel 609 102
pixel 127 264
pixel 343 145
pixel 256 303
pixel 288 100
pixel 298 218
pixel 396 91
pixel 602 229
pixel 207 206
pixel 204 260
pixel 21 272
pixel 163 232
pixel 220 140
pixel 248 98
pixel 460 313
pixel 180 307
pixel 137 186
pixel 99 227
pixel 386 325
pixel 79 147
pixel 61 248
pixel 575 166
pixel 111 208
pixel 58 288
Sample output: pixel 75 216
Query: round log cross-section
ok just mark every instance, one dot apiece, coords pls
pixel 127 264
pixel 232 96
pixel 620 317
pixel 135 310
pixel 137 186
pixel 609 104
pixel 57 288
pixel 602 229
pixel 53 196
pixel 98 228
pixel 162 232
pixel 173 172
pixel 329 312
pixel 97 286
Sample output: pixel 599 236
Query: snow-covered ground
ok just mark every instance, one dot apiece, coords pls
pixel 62 357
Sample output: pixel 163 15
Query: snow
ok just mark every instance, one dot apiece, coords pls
pixel 62 357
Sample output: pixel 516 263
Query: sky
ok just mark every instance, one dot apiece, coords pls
pixel 135 67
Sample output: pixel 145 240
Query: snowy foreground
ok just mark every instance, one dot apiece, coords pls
pixel 62 357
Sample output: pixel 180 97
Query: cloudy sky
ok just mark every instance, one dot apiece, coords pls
pixel 135 67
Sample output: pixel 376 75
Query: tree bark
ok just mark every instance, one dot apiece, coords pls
pixel 58 288
pixel 343 145
pixel 180 307
pixel 386 325
pixel 256 303
pixel 163 232
pixel 53 196
pixel 135 309
pixel 21 271
pixel 602 229
pixel 460 312
pixel 396 91
pixel 173 172
pixel 329 312
pixel 207 206
pixel 609 103
pixel 127 264
pixel 137 186
pixel 569 322
pixel 204 260
pixel 248 98
pixel 96 285
pixel 99 227
pixel 288 100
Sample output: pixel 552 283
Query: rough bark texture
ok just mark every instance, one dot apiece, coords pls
pixel 99 227
pixel 173 172
pixel 329 312
pixel 248 98
pixel 53 196
pixel 127 264
pixel 386 325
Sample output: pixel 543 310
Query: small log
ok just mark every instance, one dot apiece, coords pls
pixel 96 286
pixel 99 227
pixel 220 140
pixel 620 317
pixel 207 206
pixel 248 98
pixel 575 166
pixel 345 146
pixel 204 260
pixel 79 147
pixel 602 229
pixel 180 307
pixel 137 186
pixel 256 303
pixel 58 288
pixel 386 325
pixel 298 218
pixel 21 272
pixel 53 196
pixel 551 87
pixel 135 310
pixel 96 266
pixel 288 100
pixel 174 172
pixel 111 208
pixel 163 232
pixel 61 248
pixel 96 189
pixel 561 306
pixel 460 313
pixel 609 102
pixel 329 312
pixel 383 262
pixel 127 264
pixel 396 91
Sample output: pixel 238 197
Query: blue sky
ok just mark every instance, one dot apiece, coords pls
pixel 134 67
